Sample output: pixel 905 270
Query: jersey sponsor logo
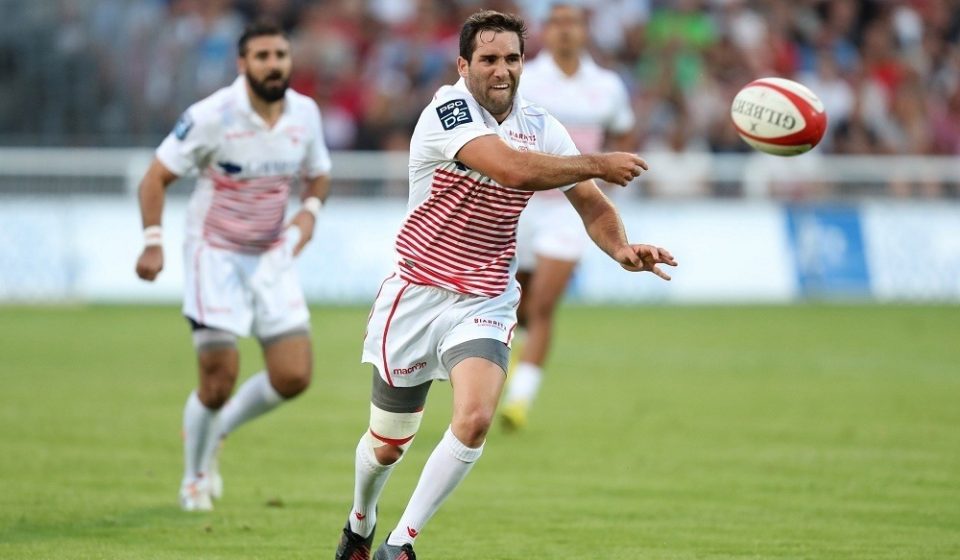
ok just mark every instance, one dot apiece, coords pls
pixel 410 369
pixel 454 113
pixel 525 137
pixel 229 167
pixel 482 322
pixel 183 126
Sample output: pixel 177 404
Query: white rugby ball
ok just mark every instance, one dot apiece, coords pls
pixel 778 116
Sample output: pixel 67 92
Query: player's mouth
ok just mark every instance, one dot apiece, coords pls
pixel 500 87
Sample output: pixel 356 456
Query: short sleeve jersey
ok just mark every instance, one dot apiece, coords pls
pixel 460 230
pixel 245 167
pixel 590 103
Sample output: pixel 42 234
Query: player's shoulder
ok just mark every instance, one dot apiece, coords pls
pixel 206 114
pixel 450 93
pixel 214 105
pixel 301 104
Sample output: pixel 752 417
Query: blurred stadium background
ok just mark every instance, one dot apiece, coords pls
pixel 729 414
pixel 92 86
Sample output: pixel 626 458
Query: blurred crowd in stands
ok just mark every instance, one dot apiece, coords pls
pixel 119 72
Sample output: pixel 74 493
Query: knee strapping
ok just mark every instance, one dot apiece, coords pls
pixel 392 428
pixel 211 339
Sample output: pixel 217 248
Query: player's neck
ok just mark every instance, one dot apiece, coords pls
pixel 269 111
pixel 568 64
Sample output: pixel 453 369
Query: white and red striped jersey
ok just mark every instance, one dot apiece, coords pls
pixel 591 103
pixel 460 230
pixel 245 168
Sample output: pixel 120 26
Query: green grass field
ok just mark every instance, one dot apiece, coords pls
pixel 662 433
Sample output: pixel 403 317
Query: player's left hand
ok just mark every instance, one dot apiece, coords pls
pixel 645 258
pixel 305 221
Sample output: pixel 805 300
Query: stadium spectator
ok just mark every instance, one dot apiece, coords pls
pixel 247 142
pixel 448 311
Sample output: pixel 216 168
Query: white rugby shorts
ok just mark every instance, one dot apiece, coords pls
pixel 411 326
pixel 550 227
pixel 242 293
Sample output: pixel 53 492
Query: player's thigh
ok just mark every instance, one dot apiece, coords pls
pixel 288 354
pixel 215 295
pixel 477 382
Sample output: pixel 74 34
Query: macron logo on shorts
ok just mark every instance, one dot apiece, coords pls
pixel 410 369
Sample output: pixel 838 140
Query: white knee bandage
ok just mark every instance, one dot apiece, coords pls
pixel 393 428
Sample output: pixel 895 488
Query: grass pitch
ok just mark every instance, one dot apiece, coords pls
pixel 661 433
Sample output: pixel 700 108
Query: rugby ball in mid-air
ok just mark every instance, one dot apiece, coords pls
pixel 778 116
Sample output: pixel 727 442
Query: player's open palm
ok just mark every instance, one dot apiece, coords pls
pixel 645 258
pixel 622 167
pixel 150 263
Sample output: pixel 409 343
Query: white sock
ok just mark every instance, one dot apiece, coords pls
pixel 255 397
pixel 447 466
pixel 524 383
pixel 371 477
pixel 199 436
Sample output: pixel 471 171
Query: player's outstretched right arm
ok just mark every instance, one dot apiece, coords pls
pixel 534 171
pixel 153 189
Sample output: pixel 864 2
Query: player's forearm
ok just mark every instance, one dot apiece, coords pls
pixel 536 171
pixel 317 187
pixel 605 228
pixel 152 196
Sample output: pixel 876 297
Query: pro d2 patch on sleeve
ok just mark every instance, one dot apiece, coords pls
pixel 454 113
pixel 183 126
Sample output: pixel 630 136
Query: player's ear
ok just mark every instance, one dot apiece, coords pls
pixel 462 65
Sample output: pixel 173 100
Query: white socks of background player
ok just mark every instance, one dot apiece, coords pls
pixel 370 479
pixel 201 428
pixel 445 469
pixel 524 383
pixel 255 397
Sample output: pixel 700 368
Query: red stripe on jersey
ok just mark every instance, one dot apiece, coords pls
pixel 463 236
pixel 246 215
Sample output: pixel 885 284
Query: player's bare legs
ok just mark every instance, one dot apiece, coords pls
pixel 542 291
pixel 288 360
pixel 477 383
